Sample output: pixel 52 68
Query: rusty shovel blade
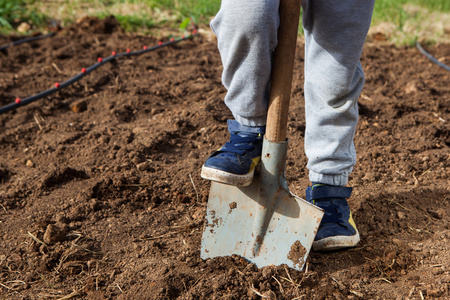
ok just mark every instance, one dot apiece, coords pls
pixel 262 222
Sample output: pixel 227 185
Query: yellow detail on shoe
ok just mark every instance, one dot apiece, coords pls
pixel 312 187
pixel 255 162
pixel 317 185
pixel 350 220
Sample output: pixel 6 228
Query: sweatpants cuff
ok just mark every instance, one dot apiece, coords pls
pixel 253 121
pixel 338 180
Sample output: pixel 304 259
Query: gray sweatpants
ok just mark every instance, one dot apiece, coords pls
pixel 335 32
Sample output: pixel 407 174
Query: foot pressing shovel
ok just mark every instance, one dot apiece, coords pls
pixel 264 222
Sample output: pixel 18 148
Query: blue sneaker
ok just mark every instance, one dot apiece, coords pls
pixel 235 162
pixel 337 229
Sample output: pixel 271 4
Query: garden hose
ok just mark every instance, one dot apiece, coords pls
pixel 26 40
pixel 100 62
pixel 430 57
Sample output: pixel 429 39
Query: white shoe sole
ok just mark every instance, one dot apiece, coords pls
pixel 227 178
pixel 336 243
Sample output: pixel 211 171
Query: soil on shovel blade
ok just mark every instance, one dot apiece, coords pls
pixel 100 188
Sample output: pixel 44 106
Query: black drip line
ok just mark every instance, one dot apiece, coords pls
pixel 84 71
pixel 430 57
pixel 101 61
pixel 26 40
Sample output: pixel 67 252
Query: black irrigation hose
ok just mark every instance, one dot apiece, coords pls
pixel 26 40
pixel 101 61
pixel 430 57
pixel 58 86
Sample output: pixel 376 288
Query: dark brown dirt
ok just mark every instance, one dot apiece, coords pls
pixel 105 201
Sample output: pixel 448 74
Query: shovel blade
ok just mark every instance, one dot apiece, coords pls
pixel 238 222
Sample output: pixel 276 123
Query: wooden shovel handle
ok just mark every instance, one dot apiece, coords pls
pixel 282 69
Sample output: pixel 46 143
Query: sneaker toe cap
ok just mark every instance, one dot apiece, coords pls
pixel 333 229
pixel 225 165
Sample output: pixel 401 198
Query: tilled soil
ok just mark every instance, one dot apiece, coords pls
pixel 101 197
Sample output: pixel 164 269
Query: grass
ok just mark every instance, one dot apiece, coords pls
pixel 407 21
pixel 401 21
pixel 133 15
pixel 9 11
pixel 15 12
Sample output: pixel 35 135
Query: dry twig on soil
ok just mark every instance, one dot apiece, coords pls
pixel 196 192
pixel 36 239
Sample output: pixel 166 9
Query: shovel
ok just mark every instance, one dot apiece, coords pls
pixel 264 222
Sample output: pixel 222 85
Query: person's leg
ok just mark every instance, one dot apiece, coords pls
pixel 247 35
pixel 335 32
pixel 334 37
pixel 246 32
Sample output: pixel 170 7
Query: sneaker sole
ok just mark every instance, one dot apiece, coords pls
pixel 336 243
pixel 227 178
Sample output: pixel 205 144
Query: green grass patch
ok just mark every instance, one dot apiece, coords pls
pixel 133 15
pixel 396 11
pixel 408 21
pixel 15 12
pixel 10 11
pixel 199 10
